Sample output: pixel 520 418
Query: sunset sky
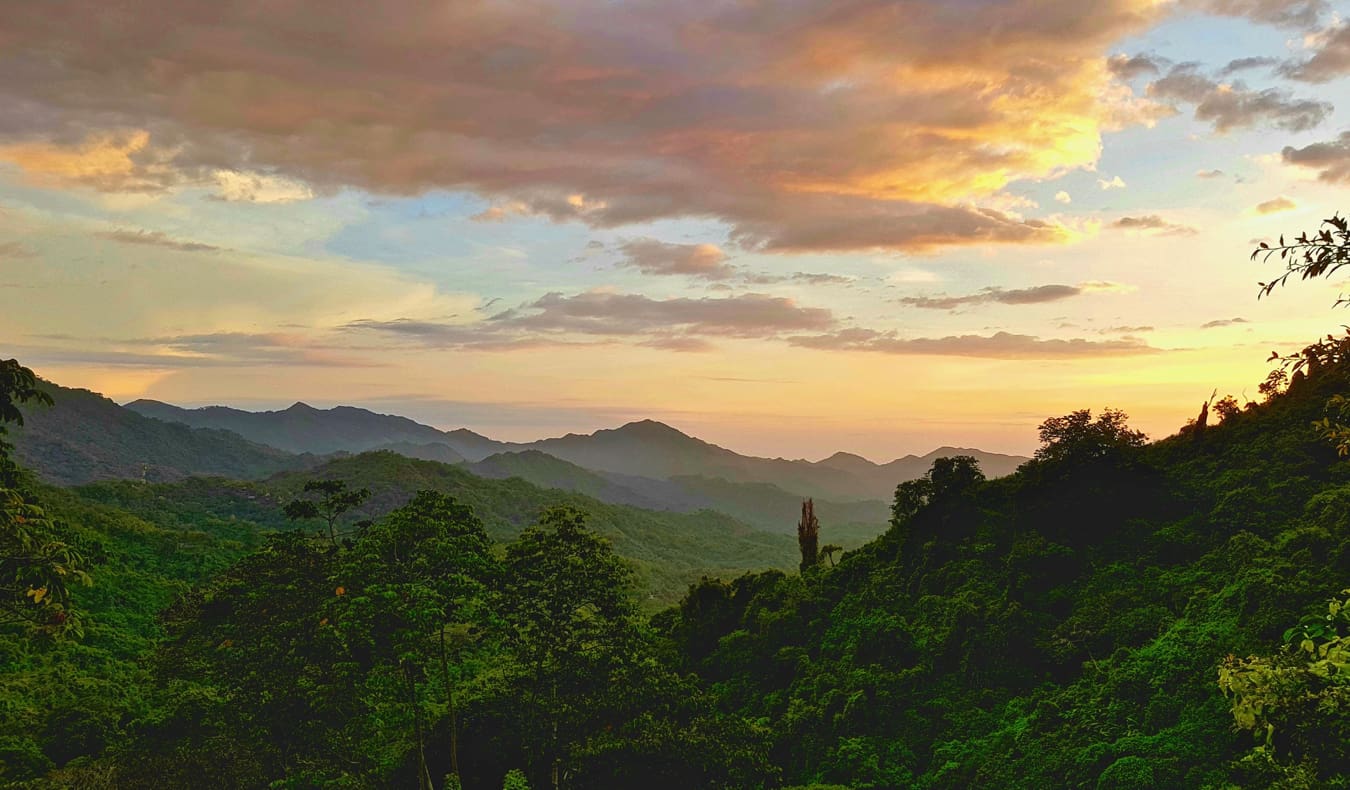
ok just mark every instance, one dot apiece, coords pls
pixel 789 228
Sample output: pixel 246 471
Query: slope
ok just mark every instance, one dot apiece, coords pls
pixel 1061 627
pixel 84 436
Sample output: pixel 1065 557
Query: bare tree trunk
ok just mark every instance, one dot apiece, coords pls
pixel 450 705
pixel 423 773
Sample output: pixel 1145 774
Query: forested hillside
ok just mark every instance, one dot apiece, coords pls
pixel 82 436
pixel 1064 626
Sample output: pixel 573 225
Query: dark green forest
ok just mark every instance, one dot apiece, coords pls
pixel 1116 614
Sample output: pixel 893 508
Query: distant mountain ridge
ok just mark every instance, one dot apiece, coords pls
pixel 645 448
pixel 85 437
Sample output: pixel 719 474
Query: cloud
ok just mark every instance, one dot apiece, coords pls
pixel 1039 294
pixel 1209 174
pixel 820 278
pixel 1275 205
pixel 15 250
pixel 1063 197
pixel 1153 222
pixel 154 239
pixel 1223 322
pixel 1127 68
pixel 822 125
pixel 235 186
pixel 1125 330
pixel 1234 106
pixel 1284 13
pixel 1331 158
pixel 557 318
pixel 650 256
pixel 1245 64
pixel 208 350
pixel 1000 345
pixel 1330 60
pixel 1113 183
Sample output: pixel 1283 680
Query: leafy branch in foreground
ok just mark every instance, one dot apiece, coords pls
pixel 36 566
pixel 1322 253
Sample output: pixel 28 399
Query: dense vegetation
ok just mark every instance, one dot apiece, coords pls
pixel 1117 614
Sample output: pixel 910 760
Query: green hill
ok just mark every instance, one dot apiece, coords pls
pixel 84 436
pixel 671 549
pixel 1061 627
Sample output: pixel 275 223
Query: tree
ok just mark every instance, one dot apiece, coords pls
pixel 1296 703
pixel 571 628
pixel 334 499
pixel 1320 254
pixel 1077 438
pixel 18 386
pixel 808 536
pixel 947 480
pixel 37 564
pixel 414 582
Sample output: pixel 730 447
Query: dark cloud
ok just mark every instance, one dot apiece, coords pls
pixel 1331 158
pixel 1234 106
pixel 1245 64
pixel 1331 58
pixel 695 260
pixel 1209 174
pixel 1127 68
pixel 815 125
pixel 675 323
pixel 1039 294
pixel 819 278
pixel 1223 322
pixel 1153 222
pixel 1285 13
pixel 154 239
pixel 1000 345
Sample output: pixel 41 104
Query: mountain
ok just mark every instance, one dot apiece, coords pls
pixel 671 549
pixel 644 449
pixel 432 451
pixel 84 436
pixel 305 429
pixel 761 505
pixel 652 449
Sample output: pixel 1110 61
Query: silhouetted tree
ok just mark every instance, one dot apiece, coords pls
pixel 334 499
pixel 808 536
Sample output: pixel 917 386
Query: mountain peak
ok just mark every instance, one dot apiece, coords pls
pixel 300 407
pixel 650 429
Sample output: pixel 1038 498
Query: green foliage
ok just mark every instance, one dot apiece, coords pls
pixel 1296 703
pixel 1319 254
pixel 515 780
pixel 328 501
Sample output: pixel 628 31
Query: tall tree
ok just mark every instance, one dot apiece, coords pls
pixel 329 500
pixel 571 628
pixel 415 582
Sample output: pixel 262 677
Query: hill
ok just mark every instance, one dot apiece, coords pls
pixel 761 505
pixel 671 549
pixel 85 437
pixel 645 448
pixel 1063 626
pixel 303 428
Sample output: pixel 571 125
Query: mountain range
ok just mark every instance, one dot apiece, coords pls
pixel 642 449
pixel 647 465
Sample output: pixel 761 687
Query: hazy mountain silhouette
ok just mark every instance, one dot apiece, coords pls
pixel 642 449
pixel 84 437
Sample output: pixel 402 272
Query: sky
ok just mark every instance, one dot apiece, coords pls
pixel 788 228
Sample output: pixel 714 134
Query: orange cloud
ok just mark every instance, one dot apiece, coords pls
pixel 834 125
